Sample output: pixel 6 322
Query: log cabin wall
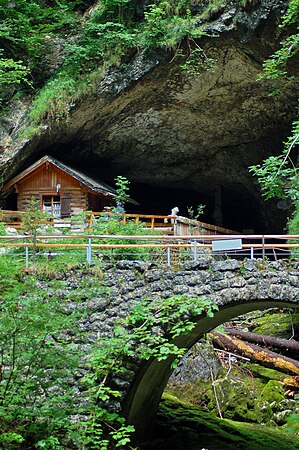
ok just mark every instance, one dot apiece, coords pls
pixel 44 180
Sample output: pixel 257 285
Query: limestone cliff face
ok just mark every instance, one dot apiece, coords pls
pixel 156 126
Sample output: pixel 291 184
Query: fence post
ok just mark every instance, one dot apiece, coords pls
pixel 27 256
pixel 168 256
pixel 263 250
pixel 88 251
pixel 195 250
pixel 251 253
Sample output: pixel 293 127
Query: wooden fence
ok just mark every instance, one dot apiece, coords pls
pixel 170 225
pixel 14 219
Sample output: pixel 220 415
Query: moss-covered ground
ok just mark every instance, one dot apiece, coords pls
pixel 277 323
pixel 185 426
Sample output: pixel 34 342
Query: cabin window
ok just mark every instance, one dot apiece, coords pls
pixel 52 205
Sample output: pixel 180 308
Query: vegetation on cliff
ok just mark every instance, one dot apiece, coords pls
pixel 85 44
pixel 59 51
pixel 278 175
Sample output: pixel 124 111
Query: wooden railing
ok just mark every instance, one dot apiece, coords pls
pixel 14 219
pixel 171 225
pixel 186 226
pixel 151 221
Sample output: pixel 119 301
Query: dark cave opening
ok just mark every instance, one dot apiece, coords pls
pixel 238 211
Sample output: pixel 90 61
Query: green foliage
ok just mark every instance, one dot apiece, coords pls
pixel 291 16
pixel 54 100
pixel 36 362
pixel 122 189
pixel 276 67
pixel 116 227
pixel 197 62
pixel 100 43
pixel 195 214
pixel 293 424
pixel 269 175
pixel 32 220
pixel 40 355
pixel 293 224
pixel 28 28
pixel 8 272
pixel 33 216
pixel 293 228
pixel 11 73
pixel 166 23
pixel 51 443
pixel 173 316
pixel 278 175
pixel 11 440
pixel 2 228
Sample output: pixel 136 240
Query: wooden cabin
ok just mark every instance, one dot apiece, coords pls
pixel 61 190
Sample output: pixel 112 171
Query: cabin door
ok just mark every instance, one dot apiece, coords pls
pixel 52 205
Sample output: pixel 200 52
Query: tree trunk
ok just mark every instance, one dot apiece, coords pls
pixel 263 339
pixel 255 353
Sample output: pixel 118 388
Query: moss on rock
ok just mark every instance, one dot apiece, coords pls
pixel 183 425
pixel 280 324
pixel 273 391
pixel 264 374
pixel 243 396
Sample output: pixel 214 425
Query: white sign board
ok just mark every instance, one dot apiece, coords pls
pixel 226 244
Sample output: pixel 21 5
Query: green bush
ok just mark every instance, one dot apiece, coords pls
pixel 293 228
pixel 119 228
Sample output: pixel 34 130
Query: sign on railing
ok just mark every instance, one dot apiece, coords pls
pixel 226 245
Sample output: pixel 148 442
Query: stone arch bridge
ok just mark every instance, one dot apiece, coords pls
pixel 237 287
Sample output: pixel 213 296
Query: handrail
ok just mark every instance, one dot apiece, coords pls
pixel 158 237
pixel 168 245
pixel 203 241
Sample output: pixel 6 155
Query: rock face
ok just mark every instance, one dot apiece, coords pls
pixel 196 365
pixel 160 128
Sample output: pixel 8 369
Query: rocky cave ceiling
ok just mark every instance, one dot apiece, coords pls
pixel 179 141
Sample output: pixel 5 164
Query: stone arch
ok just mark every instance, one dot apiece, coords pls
pixel 141 402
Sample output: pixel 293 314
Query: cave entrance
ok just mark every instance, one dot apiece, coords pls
pixel 230 207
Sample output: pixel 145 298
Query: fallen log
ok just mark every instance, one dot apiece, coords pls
pixel 263 339
pixel 255 353
pixel 291 383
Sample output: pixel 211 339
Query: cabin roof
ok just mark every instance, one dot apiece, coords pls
pixel 96 186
